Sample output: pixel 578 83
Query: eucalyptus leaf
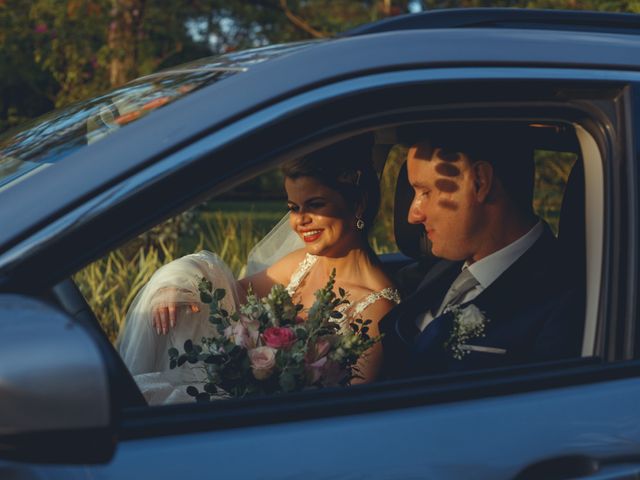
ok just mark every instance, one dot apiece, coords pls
pixel 191 390
pixel 287 382
pixel 203 397
pixel 210 388
pixel 210 359
pixel 205 297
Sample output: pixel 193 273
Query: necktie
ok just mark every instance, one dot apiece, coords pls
pixel 464 283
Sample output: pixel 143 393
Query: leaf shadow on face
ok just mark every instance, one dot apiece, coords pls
pixel 447 169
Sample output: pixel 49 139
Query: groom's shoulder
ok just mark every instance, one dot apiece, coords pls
pixel 423 270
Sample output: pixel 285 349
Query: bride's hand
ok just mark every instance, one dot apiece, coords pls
pixel 164 316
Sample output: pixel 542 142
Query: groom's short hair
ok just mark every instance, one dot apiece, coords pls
pixel 508 148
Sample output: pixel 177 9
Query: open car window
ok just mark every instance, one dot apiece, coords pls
pixel 230 225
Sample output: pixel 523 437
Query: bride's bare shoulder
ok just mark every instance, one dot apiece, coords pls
pixel 279 272
pixel 283 269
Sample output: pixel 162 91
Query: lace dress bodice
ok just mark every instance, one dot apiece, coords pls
pixel 354 310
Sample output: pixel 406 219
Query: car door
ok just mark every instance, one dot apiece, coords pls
pixel 490 424
pixel 574 417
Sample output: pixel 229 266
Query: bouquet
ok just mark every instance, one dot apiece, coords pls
pixel 267 347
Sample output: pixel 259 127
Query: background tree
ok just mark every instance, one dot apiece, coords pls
pixel 57 51
pixel 54 52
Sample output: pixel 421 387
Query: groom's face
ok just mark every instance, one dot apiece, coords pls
pixel 445 201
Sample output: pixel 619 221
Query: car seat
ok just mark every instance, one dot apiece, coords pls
pixel 411 239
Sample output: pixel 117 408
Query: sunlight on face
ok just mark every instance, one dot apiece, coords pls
pixel 321 217
pixel 443 199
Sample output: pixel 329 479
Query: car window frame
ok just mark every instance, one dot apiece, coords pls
pixel 103 206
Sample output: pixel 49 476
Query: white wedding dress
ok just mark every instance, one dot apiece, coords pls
pixel 146 353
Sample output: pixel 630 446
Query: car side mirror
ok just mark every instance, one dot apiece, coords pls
pixel 55 402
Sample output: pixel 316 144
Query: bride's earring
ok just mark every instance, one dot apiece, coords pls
pixel 359 223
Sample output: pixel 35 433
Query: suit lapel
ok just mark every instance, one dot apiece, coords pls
pixel 431 290
pixel 514 287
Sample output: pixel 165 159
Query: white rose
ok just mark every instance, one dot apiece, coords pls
pixel 470 317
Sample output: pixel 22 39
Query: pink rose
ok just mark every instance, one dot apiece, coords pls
pixel 279 337
pixel 263 361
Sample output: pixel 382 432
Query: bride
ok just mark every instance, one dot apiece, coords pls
pixel 333 196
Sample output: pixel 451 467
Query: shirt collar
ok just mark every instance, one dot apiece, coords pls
pixel 489 268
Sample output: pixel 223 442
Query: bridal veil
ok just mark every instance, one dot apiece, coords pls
pixel 146 353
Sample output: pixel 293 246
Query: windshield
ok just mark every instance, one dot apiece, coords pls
pixel 45 141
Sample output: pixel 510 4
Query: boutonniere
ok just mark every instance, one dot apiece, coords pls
pixel 468 322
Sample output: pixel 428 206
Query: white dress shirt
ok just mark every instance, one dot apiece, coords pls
pixel 489 268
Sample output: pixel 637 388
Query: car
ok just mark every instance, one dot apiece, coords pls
pixel 81 181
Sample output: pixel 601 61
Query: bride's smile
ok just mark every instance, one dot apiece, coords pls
pixel 311 235
pixel 321 217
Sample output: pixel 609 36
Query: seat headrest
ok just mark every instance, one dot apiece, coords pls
pixel 411 239
pixel 571 231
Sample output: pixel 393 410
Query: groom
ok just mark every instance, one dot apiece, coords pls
pixel 500 296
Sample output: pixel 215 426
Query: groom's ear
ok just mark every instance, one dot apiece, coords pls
pixel 482 179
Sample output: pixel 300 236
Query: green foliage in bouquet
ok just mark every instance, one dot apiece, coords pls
pixel 267 347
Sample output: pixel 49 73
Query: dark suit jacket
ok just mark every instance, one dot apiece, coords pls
pixel 535 312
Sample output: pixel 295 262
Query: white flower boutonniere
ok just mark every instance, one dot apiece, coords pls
pixel 468 322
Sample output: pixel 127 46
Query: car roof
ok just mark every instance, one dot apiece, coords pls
pixel 520 18
pixel 96 167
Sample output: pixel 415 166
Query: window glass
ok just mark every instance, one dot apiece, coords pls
pixel 50 138
pixel 552 172
pixel 229 225
pixel 382 236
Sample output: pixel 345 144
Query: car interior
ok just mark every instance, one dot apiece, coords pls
pixel 559 145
